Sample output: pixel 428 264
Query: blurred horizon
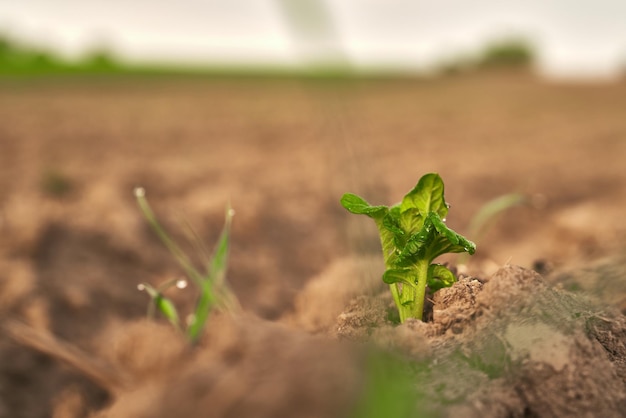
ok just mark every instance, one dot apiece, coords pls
pixel 582 40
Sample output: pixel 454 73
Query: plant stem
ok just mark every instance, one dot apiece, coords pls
pixel 396 296
pixel 411 300
pixel 420 294
pixel 179 254
pixel 407 302
pixel 388 248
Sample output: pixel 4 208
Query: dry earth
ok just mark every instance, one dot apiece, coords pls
pixel 73 245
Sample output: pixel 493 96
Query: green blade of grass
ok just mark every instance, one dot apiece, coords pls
pixel 213 288
pixel 179 254
pixel 216 269
pixel 491 209
pixel 201 314
pixel 488 213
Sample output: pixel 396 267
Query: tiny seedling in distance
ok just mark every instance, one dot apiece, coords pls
pixel 214 292
pixel 413 233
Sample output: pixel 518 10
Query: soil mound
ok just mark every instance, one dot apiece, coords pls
pixel 508 346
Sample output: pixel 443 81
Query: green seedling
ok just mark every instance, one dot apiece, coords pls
pixel 488 213
pixel 413 233
pixel 214 292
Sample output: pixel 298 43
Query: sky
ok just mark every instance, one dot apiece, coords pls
pixel 573 38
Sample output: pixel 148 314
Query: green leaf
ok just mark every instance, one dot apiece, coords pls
pixel 447 241
pixel 358 205
pixel 201 314
pixel 213 282
pixel 391 222
pixel 391 233
pixel 433 240
pixel 443 229
pixel 180 256
pixel 426 196
pixel 439 276
pixel 217 266
pixel 402 275
pixel 167 308
pixel 411 221
pixel 415 247
pixel 163 304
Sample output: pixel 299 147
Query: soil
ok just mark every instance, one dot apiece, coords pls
pixel 313 337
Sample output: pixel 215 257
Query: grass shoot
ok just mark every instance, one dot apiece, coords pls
pixel 214 292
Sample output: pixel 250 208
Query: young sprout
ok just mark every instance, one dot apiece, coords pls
pixel 163 304
pixel 413 234
pixel 214 292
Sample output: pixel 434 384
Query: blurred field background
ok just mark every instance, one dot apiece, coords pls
pixel 281 135
pixel 585 39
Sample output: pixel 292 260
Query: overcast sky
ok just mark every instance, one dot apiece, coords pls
pixel 573 37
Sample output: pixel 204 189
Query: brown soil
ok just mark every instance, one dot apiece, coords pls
pixel 73 246
pixel 508 346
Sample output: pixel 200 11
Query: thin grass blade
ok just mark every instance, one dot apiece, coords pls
pixel 176 251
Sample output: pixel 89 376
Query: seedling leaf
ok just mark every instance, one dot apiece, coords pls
pixel 163 304
pixel 447 241
pixel 219 261
pixel 203 308
pixel 176 251
pixel 426 196
pixel 411 221
pixel 403 276
pixel 391 223
pixel 168 309
pixel 359 206
pixel 439 277
pixel 214 281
